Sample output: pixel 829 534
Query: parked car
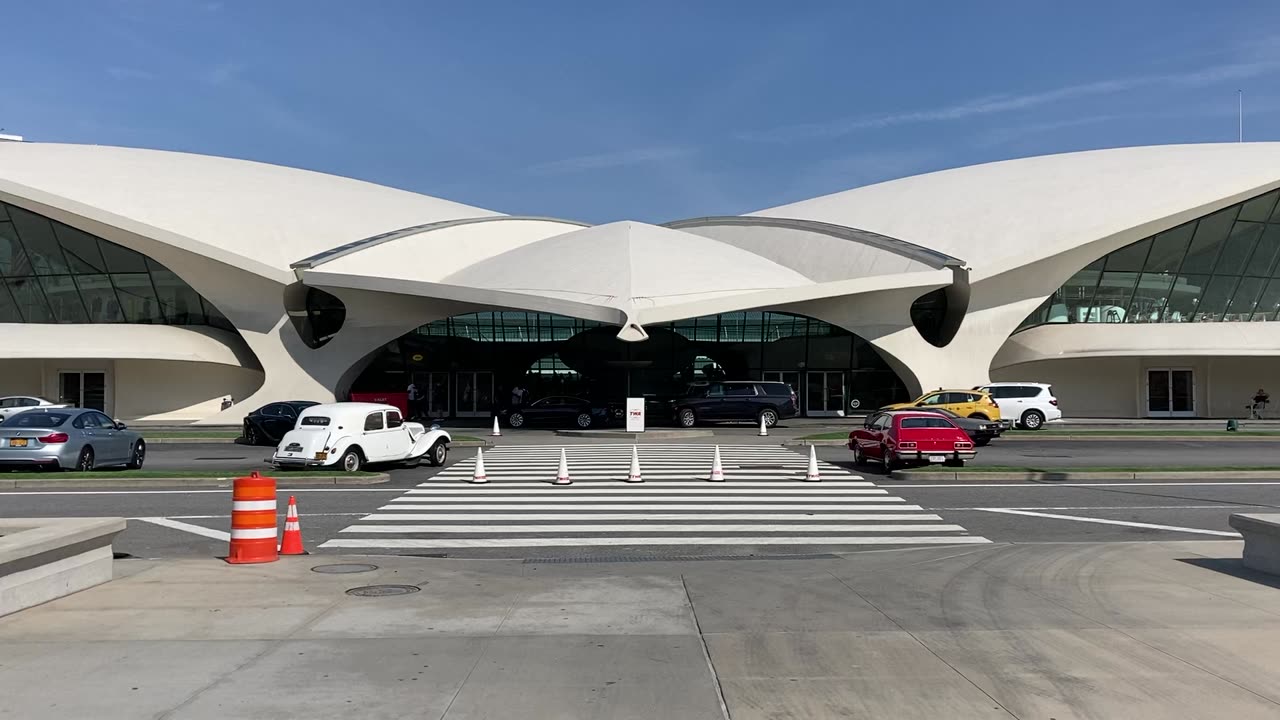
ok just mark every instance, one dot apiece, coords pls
pixel 562 411
pixel 736 400
pixel 15 404
pixel 269 423
pixel 974 404
pixel 981 432
pixel 905 437
pixel 349 435
pixel 1029 404
pixel 55 438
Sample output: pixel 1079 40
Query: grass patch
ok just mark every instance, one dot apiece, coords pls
pixel 466 438
pixel 827 436
pixel 127 474
pixel 1145 433
pixel 1119 469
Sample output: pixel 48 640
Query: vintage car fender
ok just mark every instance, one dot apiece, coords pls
pixel 424 439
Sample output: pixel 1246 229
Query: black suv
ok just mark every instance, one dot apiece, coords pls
pixel 735 400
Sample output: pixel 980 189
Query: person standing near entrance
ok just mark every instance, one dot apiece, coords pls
pixel 517 395
pixel 415 400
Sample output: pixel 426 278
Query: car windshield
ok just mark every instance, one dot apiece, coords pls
pixel 36 419
pixel 315 420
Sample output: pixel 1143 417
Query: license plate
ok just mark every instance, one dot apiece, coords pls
pixel 322 455
pixel 17 442
pixel 937 458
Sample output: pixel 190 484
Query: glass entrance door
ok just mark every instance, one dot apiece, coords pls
pixel 824 393
pixel 1171 392
pixel 434 389
pixel 474 396
pixel 83 389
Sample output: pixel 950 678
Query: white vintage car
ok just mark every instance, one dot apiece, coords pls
pixel 348 435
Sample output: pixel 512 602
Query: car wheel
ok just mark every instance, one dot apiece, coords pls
pixel 85 462
pixel 251 436
pixel 138 456
pixel 769 416
pixel 687 418
pixel 858 459
pixel 351 461
pixel 515 419
pixel 981 442
pixel 438 454
pixel 886 460
pixel 584 420
pixel 1033 420
pixel 978 416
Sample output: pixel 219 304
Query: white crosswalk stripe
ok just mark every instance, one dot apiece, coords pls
pixel 763 502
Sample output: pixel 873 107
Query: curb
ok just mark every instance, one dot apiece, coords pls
pixel 1225 436
pixel 1070 475
pixel 282 481
pixel 232 441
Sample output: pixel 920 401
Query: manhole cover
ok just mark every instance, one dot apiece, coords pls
pixel 383 590
pixel 344 568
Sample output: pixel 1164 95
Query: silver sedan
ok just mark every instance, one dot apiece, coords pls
pixel 68 439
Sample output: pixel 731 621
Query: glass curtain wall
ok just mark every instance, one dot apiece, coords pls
pixel 53 273
pixel 1219 268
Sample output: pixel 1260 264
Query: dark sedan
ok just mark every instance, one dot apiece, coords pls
pixel 980 431
pixel 561 411
pixel 269 423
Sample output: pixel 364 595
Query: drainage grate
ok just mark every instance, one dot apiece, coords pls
pixel 383 590
pixel 673 558
pixel 344 568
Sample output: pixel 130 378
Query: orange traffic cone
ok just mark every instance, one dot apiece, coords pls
pixel 292 542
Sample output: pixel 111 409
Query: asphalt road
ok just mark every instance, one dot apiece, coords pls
pixel 1018 512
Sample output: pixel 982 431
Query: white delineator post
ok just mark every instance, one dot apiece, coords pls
pixel 479 477
pixel 717 470
pixel 562 475
pixel 764 429
pixel 634 475
pixel 811 475
pixel 497 432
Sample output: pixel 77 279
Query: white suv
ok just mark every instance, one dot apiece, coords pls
pixel 1027 404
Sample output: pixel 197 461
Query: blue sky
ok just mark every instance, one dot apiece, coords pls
pixel 651 111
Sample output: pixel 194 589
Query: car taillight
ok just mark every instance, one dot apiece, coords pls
pixel 1053 402
pixel 907 445
pixel 991 401
pixel 960 445
pixel 53 438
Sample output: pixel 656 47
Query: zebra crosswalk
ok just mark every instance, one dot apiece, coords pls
pixel 764 502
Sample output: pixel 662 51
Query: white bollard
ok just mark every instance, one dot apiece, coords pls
pixel 634 475
pixel 812 474
pixel 479 477
pixel 497 432
pixel 717 470
pixel 764 429
pixel 562 475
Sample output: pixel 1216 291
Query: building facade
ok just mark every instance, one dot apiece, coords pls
pixel 171 287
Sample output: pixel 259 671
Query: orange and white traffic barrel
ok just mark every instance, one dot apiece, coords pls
pixel 253 521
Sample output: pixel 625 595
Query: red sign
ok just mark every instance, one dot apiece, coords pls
pixel 396 399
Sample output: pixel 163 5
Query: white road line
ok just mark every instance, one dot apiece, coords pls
pixel 791 484
pixel 1101 521
pixel 407 543
pixel 647 506
pixel 643 528
pixel 226 491
pixel 431 517
pixel 629 490
pixel 216 517
pixel 188 527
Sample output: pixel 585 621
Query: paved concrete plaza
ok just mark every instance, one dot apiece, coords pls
pixel 1118 630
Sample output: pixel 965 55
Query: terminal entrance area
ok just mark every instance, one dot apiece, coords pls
pixel 470 366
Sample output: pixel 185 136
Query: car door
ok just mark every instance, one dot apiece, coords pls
pixel 375 440
pixel 864 435
pixel 879 436
pixel 107 444
pixel 398 441
pixel 739 401
pixel 272 420
pixel 711 405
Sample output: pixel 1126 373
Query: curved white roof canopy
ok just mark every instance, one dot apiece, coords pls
pixel 250 215
pixel 125 341
pixel 1004 214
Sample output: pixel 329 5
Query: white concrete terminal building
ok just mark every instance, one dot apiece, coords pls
pixel 1141 282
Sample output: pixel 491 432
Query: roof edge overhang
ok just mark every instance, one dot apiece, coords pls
pixel 356 246
pixel 125 341
pixel 911 251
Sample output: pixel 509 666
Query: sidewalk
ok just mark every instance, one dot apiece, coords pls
pixel 1157 630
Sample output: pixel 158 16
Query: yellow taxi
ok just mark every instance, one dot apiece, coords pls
pixel 965 403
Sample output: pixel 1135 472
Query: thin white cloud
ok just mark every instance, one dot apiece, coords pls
pixel 604 161
pixel 994 104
